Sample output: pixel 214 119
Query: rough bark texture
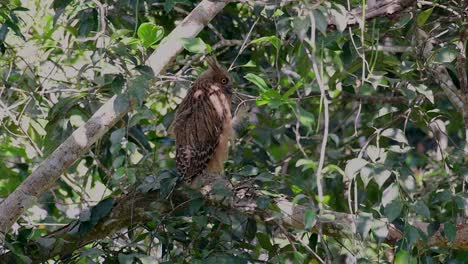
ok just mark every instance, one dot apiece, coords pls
pixel 135 208
pixel 380 8
pixel 44 177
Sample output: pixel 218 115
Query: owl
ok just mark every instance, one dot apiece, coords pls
pixel 202 127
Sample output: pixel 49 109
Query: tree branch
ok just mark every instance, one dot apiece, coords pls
pixel 136 208
pixel 379 8
pixel 44 177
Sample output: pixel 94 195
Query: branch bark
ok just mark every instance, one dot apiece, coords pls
pixel 136 208
pixel 380 8
pixel 44 177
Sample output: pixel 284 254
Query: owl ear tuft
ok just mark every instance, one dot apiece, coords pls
pixel 213 63
pixel 216 67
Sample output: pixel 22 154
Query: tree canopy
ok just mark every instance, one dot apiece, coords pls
pixel 351 142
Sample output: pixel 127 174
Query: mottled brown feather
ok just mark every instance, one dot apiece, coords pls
pixel 202 125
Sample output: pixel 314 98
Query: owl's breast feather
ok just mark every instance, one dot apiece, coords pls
pixel 222 105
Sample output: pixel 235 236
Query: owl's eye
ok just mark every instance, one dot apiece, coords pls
pixel 224 80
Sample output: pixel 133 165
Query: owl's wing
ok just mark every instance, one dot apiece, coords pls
pixel 197 129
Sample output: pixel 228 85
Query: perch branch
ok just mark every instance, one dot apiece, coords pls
pixel 136 208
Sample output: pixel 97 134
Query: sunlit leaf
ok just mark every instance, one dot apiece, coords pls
pixel 404 257
pixel 423 16
pixel 320 21
pixel 306 164
pixel 194 45
pixel 306 118
pixel 395 134
pixel 309 219
pixel 380 230
pixel 149 34
pixel 390 194
pixel 354 166
pixel 446 55
pixel 364 224
pixel 257 80
pixel 274 40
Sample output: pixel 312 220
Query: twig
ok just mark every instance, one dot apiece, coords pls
pixel 244 44
pixel 318 76
pixel 17 123
pixel 292 239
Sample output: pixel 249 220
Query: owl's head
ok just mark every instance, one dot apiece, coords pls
pixel 218 75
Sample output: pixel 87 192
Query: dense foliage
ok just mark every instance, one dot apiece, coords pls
pixel 395 142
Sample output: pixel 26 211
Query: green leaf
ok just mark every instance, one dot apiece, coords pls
pixel 87 21
pixel 45 243
pixel 395 134
pixel 424 90
pixel 272 98
pixel 381 175
pixel 250 229
pixel 117 135
pixel 423 16
pixel 404 257
pixel 309 219
pixel 339 16
pixel 138 86
pixel 365 174
pixel 411 234
pixel 257 80
pixel 306 118
pixel 249 64
pixel 117 162
pixel 442 196
pixel 301 25
pixel 446 55
pixel 149 34
pixel 274 40
pixel 364 224
pixel 264 241
pixel 194 45
pixel 195 205
pixel 354 166
pixel 450 231
pixel 392 210
pixel 299 257
pixel 306 164
pixel 320 21
pixel 385 110
pixel 101 210
pixel 59 4
pixel 390 194
pixel 380 230
pixel 421 209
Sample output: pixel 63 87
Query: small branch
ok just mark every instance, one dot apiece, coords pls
pixel 244 44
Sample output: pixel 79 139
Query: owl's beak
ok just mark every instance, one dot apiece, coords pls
pixel 229 88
